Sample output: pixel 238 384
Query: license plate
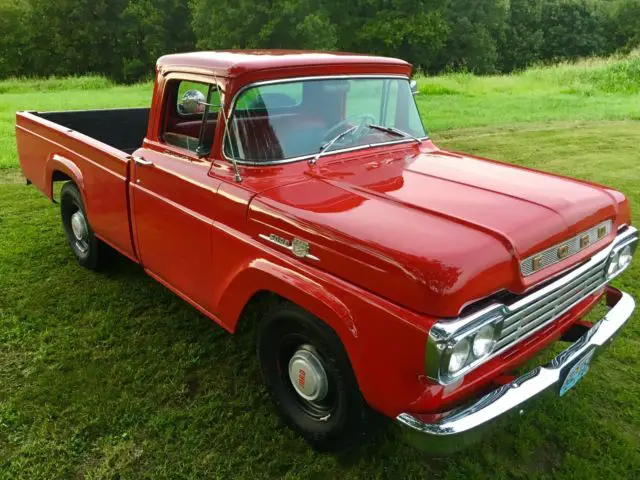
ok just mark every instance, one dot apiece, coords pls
pixel 578 371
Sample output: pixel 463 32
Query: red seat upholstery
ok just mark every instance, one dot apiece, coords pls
pixel 277 137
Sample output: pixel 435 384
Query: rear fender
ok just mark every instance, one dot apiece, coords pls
pixel 58 163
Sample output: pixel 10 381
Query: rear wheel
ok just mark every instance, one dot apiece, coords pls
pixel 310 379
pixel 84 244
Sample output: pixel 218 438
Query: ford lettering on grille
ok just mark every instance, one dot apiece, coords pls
pixel 565 249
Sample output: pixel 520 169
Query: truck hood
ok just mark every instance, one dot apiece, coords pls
pixel 432 231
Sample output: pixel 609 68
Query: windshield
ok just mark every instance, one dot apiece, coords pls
pixel 289 120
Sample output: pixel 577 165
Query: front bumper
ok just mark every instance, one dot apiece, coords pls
pixel 464 426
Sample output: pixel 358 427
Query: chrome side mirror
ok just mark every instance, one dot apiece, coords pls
pixel 414 87
pixel 193 102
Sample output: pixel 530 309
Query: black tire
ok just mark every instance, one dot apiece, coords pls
pixel 341 420
pixel 86 248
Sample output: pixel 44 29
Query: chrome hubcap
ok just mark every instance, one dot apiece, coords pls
pixel 307 374
pixel 80 229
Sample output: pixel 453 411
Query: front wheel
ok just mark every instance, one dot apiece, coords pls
pixel 310 379
pixel 83 242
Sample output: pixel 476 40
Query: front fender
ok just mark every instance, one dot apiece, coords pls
pixel 384 342
pixel 264 275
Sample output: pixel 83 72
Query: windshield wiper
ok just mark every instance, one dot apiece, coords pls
pixel 323 148
pixel 395 131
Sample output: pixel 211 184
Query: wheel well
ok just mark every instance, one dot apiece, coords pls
pixel 58 176
pixel 259 304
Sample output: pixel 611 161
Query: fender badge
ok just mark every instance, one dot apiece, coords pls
pixel 298 247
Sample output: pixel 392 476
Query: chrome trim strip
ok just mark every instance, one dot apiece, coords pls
pixel 550 255
pixel 287 247
pixel 464 426
pixel 306 157
pixel 451 331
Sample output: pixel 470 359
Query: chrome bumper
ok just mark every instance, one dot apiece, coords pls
pixel 466 425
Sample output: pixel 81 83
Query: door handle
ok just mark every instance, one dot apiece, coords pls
pixel 141 161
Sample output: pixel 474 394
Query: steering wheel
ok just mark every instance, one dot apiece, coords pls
pixel 343 124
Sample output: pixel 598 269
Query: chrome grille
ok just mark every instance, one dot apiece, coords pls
pixel 518 317
pixel 524 321
pixel 550 255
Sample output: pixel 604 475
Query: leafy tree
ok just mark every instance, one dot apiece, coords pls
pixel 475 28
pixel 123 38
pixel 626 25
pixel 414 30
pixel 72 37
pixel 297 24
pixel 118 38
pixel 572 29
pixel 14 38
pixel 151 29
pixel 523 36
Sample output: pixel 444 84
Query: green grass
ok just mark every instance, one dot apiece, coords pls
pixel 50 95
pixel 111 376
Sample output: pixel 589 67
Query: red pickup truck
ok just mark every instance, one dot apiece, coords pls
pixel 396 277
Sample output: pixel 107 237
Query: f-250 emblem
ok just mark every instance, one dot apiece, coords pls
pixel 283 242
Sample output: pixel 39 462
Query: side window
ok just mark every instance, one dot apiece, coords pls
pixel 193 113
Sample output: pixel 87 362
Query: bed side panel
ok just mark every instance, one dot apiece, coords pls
pixel 100 171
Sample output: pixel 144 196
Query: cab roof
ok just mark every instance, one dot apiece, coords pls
pixel 233 63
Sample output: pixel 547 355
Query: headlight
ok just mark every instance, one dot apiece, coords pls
pixel 459 355
pixel 484 341
pixel 624 257
pixel 613 265
pixel 451 352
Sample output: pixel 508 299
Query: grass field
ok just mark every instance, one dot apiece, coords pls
pixel 111 376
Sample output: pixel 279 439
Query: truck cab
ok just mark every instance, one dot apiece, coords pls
pixel 396 277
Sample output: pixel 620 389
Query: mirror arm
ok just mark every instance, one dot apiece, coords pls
pixel 209 104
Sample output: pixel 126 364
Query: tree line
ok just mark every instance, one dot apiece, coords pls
pixel 122 38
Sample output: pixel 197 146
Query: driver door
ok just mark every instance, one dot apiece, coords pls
pixel 173 196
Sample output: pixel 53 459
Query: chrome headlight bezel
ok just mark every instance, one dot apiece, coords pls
pixel 443 339
pixel 627 249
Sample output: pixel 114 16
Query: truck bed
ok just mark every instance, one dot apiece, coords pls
pixel 121 128
pixel 91 148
